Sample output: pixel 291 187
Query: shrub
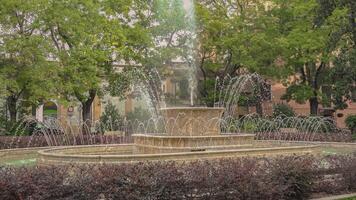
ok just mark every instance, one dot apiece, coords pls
pixel 208 95
pixel 249 126
pixel 111 120
pixel 289 177
pixel 283 110
pixel 351 123
pixel 293 176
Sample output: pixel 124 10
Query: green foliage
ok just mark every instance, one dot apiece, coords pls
pixel 351 123
pixel 111 120
pixel 120 82
pixel 343 75
pixel 249 126
pixel 169 30
pixel 234 35
pixel 283 110
pixel 139 114
pixel 80 45
pixel 208 92
pixel 24 53
pixel 72 42
pixel 299 93
pixel 76 44
pixel 311 32
pixel 3 120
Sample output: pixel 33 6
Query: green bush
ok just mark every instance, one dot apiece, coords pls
pixel 249 126
pixel 351 123
pixel 207 92
pixel 283 110
pixel 111 120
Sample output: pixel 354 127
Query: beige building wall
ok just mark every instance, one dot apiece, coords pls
pixel 62 114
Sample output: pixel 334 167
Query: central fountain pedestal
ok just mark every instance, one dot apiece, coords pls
pixel 191 129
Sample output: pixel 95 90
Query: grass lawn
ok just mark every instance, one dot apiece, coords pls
pixel 349 198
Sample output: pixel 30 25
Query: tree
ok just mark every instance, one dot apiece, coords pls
pixel 163 35
pixel 172 32
pixel 235 36
pixel 342 76
pixel 342 79
pixel 24 52
pixel 89 36
pixel 311 41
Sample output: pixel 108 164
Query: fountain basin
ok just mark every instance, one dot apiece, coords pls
pixel 192 120
pixel 125 153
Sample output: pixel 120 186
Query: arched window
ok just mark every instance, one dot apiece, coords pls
pixel 49 110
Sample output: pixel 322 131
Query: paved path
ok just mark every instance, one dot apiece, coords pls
pixel 338 197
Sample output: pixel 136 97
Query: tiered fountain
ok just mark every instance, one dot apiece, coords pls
pixel 192 133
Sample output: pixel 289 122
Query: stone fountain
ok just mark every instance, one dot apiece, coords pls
pixel 192 133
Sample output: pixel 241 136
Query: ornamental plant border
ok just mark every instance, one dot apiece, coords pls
pixel 288 177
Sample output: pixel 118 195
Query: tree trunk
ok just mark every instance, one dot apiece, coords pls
pixel 11 102
pixel 86 112
pixel 313 102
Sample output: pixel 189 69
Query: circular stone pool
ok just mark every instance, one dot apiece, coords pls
pixel 123 153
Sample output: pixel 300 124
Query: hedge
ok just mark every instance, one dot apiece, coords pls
pixel 10 142
pixel 289 177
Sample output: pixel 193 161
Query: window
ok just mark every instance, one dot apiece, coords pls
pixel 49 110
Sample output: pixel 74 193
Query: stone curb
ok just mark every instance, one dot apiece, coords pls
pixel 337 197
